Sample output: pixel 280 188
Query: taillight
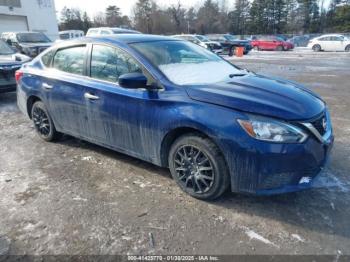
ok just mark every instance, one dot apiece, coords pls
pixel 18 75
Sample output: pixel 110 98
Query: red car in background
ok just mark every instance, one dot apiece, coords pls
pixel 271 43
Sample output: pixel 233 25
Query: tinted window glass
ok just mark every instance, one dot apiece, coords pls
pixel 108 63
pixel 70 60
pixel 186 63
pixel 5 49
pixel 33 38
pixel 46 59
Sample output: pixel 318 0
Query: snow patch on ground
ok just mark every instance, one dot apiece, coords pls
pixel 299 238
pixel 253 235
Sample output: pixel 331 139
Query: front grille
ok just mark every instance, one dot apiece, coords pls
pixel 7 77
pixel 320 124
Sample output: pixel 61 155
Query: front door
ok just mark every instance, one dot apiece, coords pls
pixel 114 113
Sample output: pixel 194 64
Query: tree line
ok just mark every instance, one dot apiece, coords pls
pixel 247 17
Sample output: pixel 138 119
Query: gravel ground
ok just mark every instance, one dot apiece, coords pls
pixel 72 197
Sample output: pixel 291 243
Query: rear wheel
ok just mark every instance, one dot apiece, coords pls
pixel 43 123
pixel 316 48
pixel 198 167
pixel 347 48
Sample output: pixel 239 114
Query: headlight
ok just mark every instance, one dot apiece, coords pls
pixel 273 131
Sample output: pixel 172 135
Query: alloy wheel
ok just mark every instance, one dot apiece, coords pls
pixel 194 169
pixel 41 122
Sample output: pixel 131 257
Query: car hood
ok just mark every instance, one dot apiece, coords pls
pixel 261 95
pixel 14 59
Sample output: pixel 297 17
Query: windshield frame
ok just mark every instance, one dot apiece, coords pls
pixel 4 45
pixel 159 71
pixel 47 40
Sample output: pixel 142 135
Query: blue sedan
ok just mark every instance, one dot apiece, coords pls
pixel 177 105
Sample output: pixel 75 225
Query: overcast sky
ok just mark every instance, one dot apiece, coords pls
pixel 94 6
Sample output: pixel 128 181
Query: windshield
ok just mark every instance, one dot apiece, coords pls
pixel 33 38
pixel 185 63
pixel 202 38
pixel 5 49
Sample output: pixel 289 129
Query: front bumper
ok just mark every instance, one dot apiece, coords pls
pixel 264 168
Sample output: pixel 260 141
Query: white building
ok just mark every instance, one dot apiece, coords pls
pixel 29 15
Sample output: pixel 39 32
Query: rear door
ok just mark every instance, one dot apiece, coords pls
pixel 63 86
pixel 338 43
pixel 325 43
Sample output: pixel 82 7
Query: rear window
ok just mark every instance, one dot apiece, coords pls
pixel 70 60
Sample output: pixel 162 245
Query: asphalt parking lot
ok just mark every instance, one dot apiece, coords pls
pixel 72 197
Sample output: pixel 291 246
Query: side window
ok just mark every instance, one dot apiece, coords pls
pixel 105 32
pixel 108 63
pixel 70 60
pixel 337 38
pixel 46 59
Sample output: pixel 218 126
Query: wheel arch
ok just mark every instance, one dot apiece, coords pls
pixel 30 102
pixel 174 134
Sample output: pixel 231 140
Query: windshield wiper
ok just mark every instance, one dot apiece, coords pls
pixel 236 75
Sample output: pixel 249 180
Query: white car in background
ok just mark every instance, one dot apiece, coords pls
pixel 109 31
pixel 332 42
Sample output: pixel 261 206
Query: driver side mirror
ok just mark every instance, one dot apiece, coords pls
pixel 133 80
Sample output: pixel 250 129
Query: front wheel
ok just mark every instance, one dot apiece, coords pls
pixel 279 48
pixel 347 48
pixel 316 48
pixel 43 123
pixel 198 167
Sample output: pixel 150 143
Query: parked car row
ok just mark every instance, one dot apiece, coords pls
pixel 218 43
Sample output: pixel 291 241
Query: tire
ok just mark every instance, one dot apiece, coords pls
pixel 316 48
pixel 191 153
pixel 279 48
pixel 43 123
pixel 256 48
pixel 232 51
pixel 347 48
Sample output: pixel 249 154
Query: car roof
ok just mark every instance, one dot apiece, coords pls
pixel 330 35
pixel 134 38
pixel 122 38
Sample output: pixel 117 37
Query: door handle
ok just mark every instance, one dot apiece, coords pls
pixel 47 86
pixel 90 96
